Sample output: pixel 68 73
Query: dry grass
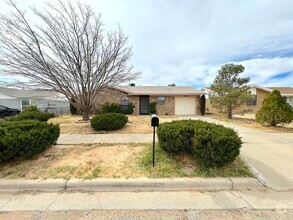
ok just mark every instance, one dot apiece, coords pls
pixel 251 123
pixel 80 161
pixel 136 125
pixel 111 161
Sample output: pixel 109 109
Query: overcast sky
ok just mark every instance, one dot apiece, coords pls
pixel 186 41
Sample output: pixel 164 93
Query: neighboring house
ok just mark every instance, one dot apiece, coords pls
pixel 171 100
pixel 259 94
pixel 44 99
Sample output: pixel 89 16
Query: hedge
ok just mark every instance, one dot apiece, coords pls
pixel 212 145
pixel 109 121
pixel 116 108
pixel 24 139
pixel 32 113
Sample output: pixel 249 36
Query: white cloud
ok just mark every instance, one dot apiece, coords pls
pixel 186 41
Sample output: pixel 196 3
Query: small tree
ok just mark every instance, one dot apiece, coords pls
pixel 202 103
pixel 275 110
pixel 229 91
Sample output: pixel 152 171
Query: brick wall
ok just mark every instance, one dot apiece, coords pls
pixel 135 100
pixel 165 109
pixel 110 96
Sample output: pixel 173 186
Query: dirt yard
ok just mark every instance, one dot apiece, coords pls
pixel 136 125
pixel 112 161
pixel 249 121
pixel 79 161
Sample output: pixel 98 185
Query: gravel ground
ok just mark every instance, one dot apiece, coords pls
pixel 153 214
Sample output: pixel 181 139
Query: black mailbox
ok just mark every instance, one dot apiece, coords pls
pixel 154 120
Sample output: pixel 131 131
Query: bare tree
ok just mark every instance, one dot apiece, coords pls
pixel 67 52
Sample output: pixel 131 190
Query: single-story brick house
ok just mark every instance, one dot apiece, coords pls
pixel 260 93
pixel 171 100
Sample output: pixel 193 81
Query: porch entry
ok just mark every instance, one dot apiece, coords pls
pixel 144 105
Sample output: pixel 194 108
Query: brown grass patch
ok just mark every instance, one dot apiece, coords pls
pixel 251 123
pixel 136 125
pixel 82 161
pixel 112 161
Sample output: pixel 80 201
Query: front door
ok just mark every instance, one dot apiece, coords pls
pixel 144 105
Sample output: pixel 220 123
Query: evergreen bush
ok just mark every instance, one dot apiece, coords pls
pixel 32 113
pixel 275 110
pixel 109 121
pixel 116 108
pixel 212 145
pixel 153 107
pixel 24 139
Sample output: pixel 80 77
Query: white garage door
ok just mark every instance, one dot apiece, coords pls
pixel 185 106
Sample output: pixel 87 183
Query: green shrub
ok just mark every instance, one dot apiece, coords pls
pixel 129 110
pixel 109 121
pixel 212 145
pixel 215 145
pixel 115 108
pixel 110 108
pixel 275 110
pixel 24 139
pixel 32 113
pixel 176 136
pixel 153 107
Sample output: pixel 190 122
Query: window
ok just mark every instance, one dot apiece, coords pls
pixel 124 102
pixel 161 100
pixel 252 101
pixel 33 101
pixel 24 102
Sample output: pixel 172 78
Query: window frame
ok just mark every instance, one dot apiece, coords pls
pixel 161 101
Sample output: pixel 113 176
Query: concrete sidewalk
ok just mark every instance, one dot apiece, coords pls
pixel 70 139
pixel 184 200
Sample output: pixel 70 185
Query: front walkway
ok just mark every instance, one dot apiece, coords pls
pixel 69 139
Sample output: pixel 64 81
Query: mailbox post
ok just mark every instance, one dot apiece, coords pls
pixel 154 124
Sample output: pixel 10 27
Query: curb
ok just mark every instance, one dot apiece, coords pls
pixel 15 185
pixel 137 184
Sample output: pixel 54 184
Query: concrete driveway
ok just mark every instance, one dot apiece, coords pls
pixel 270 155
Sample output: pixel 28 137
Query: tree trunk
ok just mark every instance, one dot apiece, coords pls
pixel 229 112
pixel 85 115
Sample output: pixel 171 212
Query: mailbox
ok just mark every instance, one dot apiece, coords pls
pixel 154 120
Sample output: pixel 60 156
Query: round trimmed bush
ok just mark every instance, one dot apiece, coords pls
pixel 109 121
pixel 24 139
pixel 176 136
pixel 215 145
pixel 212 145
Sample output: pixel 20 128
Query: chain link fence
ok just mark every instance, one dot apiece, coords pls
pixel 57 110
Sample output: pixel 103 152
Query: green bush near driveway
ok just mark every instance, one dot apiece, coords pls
pixel 109 121
pixel 24 139
pixel 211 145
